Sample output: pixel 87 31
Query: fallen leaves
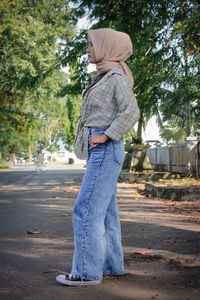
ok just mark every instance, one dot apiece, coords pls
pixel 113 284
pixel 134 192
pixel 138 198
pixel 127 181
pixel 142 252
pixel 72 189
pixel 55 189
pixel 137 194
pixel 154 297
pixel 185 182
pixel 66 215
pixel 120 199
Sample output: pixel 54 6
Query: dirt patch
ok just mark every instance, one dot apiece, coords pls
pixel 189 210
pixel 131 258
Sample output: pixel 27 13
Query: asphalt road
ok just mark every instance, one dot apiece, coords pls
pixel 162 249
pixel 28 203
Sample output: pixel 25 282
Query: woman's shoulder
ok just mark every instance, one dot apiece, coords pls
pixel 118 77
pixel 117 71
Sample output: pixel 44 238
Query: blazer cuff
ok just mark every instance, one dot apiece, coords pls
pixel 112 134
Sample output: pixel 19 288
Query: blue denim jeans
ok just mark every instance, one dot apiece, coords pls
pixel 97 231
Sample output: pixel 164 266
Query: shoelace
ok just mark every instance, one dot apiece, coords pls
pixel 74 277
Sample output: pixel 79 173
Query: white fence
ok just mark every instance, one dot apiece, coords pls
pixel 179 158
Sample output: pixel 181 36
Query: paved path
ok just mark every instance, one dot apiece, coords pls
pixel 162 246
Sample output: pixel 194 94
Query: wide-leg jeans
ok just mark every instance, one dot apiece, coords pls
pixel 97 231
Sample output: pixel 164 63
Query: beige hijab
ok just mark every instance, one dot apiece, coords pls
pixel 111 48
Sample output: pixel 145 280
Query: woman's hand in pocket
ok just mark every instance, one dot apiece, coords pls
pixel 97 139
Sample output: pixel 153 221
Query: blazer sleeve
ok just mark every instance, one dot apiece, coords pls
pixel 128 111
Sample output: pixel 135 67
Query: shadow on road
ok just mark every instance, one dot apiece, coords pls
pixel 162 249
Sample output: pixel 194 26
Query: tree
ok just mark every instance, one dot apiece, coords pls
pixel 142 22
pixel 30 61
pixel 158 30
pixel 181 99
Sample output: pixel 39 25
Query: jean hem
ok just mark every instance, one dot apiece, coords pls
pixel 113 274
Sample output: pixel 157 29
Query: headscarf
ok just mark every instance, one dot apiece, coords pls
pixel 111 48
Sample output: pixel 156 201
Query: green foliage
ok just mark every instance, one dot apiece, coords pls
pixel 73 107
pixel 186 20
pixel 3 164
pixel 39 104
pixel 142 22
pixel 31 79
pixel 165 37
pixel 173 134
pixel 29 41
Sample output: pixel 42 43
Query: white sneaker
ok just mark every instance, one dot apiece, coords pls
pixel 75 281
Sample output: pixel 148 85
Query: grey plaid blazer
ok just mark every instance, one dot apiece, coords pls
pixel 109 103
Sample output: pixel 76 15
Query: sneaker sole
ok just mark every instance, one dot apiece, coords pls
pixel 76 283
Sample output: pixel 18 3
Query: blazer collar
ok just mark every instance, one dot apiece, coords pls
pixel 116 70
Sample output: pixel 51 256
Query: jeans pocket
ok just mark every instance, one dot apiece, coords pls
pixel 118 152
pixel 97 152
pixel 98 131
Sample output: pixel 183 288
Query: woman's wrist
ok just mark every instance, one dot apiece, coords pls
pixel 106 137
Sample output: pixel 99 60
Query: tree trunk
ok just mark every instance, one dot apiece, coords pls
pixel 29 154
pixel 187 105
pixel 12 158
pixel 139 129
pixel 187 121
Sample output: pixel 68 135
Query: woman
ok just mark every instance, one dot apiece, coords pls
pixel 109 110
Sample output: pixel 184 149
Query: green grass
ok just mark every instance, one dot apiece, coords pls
pixel 4 164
